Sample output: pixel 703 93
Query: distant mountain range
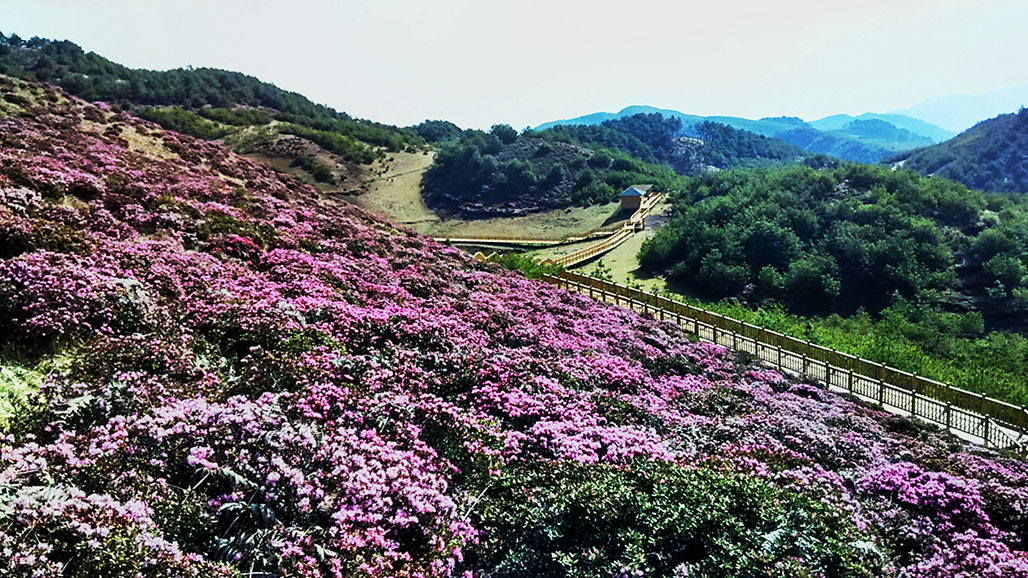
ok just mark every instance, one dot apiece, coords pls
pixel 958 112
pixel 992 155
pixel 866 138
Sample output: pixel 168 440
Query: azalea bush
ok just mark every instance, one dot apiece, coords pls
pixel 220 372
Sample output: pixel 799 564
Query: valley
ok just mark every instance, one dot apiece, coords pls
pixel 246 334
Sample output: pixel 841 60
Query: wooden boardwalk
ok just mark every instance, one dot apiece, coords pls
pixel 972 416
pixel 628 229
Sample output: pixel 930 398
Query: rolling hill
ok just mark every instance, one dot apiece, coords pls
pixel 916 126
pixel 502 173
pixel 992 155
pixel 218 371
pixel 866 138
pixel 286 129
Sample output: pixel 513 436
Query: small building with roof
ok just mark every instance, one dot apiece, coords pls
pixel 632 198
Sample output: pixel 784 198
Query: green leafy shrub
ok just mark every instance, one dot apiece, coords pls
pixel 659 519
pixel 319 170
pixel 530 266
pixel 184 121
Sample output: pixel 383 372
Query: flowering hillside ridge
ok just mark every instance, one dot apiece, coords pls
pixel 246 378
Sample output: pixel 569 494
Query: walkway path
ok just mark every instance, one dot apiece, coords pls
pixel 974 417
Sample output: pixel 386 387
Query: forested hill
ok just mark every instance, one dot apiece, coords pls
pixel 865 138
pixel 203 102
pixel 689 149
pixel 992 155
pixel 503 173
pixel 848 239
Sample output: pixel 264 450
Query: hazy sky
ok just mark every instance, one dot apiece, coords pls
pixel 523 62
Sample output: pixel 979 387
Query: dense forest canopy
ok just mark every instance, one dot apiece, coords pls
pixel 203 102
pixel 992 155
pixel 690 149
pixel 844 239
pixel 501 172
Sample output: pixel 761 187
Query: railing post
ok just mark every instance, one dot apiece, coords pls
pixel 949 415
pixel 981 410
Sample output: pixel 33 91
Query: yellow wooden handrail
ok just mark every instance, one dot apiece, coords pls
pixel 997 423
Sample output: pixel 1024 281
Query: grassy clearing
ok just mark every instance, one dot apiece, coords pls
pixel 393 189
pixel 621 261
pixel 394 192
pixel 17 384
pixel 551 224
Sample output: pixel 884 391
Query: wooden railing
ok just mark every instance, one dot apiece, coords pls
pixel 598 232
pixel 594 250
pixel 628 229
pixel 605 231
pixel 978 417
pixel 500 240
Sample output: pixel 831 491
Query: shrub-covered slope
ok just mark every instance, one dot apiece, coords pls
pixel 479 174
pixel 205 102
pixel 502 173
pixel 845 239
pixel 992 155
pixel 245 379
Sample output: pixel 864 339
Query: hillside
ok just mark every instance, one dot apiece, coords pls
pixel 834 144
pixel 237 375
pixel 992 155
pixel 851 238
pixel 916 126
pixel 502 173
pixel 296 135
pixel 867 138
pixel 690 150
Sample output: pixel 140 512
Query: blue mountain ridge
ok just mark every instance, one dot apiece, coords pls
pixel 869 137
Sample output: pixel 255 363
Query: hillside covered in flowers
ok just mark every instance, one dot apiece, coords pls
pixel 213 371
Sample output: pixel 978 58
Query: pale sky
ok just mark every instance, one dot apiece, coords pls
pixel 524 62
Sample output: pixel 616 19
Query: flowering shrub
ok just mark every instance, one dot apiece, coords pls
pixel 243 376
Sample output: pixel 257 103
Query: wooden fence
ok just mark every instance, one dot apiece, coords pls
pixel 989 421
pixel 629 228
pixel 594 250
pixel 605 231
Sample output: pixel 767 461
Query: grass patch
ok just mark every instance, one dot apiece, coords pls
pixel 18 384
